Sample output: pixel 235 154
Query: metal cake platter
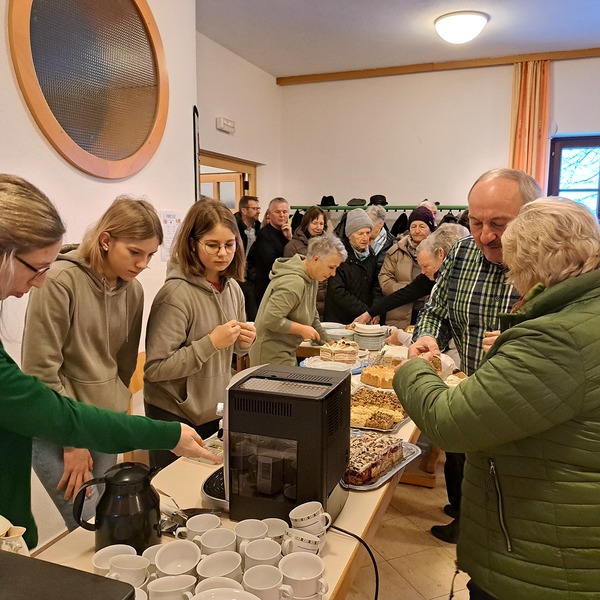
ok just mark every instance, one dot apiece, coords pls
pixel 410 451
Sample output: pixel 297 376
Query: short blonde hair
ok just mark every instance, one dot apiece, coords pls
pixel 552 239
pixel 126 217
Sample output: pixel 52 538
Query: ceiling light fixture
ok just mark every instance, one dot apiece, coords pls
pixel 460 27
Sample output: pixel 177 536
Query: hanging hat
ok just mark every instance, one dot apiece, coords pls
pixel 357 219
pixel 327 201
pixel 422 213
pixel 378 199
pixel 357 202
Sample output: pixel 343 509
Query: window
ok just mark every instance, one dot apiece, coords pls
pixel 575 170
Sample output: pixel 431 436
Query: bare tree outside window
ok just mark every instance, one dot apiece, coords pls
pixel 575 170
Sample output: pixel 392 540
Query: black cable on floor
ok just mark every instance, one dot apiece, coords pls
pixel 358 538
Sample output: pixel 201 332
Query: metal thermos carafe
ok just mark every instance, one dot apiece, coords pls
pixel 128 511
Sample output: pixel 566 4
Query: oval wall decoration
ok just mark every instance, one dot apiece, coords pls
pixel 94 77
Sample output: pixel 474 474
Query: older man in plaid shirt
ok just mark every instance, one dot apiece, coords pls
pixel 469 294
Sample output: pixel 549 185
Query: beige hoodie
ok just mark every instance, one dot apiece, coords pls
pixel 184 373
pixel 82 338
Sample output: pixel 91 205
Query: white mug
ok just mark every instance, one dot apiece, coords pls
pixel 101 558
pixel 310 517
pixel 276 528
pixel 261 552
pixel 150 554
pixel 250 529
pixel 296 540
pixel 266 582
pixel 140 594
pixel 171 587
pixel 221 564
pixel 129 568
pixel 217 540
pixel 304 572
pixel 197 525
pixel 217 582
pixel 177 558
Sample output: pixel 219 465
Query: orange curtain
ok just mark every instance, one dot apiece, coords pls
pixel 530 118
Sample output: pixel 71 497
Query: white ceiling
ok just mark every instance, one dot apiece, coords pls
pixel 299 37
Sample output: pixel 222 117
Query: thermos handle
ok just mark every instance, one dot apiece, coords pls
pixel 78 503
pixel 153 471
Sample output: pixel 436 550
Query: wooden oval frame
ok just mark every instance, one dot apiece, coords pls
pixel 20 46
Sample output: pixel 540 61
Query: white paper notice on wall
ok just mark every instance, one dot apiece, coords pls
pixel 170 220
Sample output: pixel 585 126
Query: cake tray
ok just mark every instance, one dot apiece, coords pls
pixel 395 428
pixel 411 451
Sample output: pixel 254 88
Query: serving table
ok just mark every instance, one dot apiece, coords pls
pixel 183 480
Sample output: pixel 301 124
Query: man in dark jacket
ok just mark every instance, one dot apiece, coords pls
pixel 249 225
pixel 269 245
pixel 352 289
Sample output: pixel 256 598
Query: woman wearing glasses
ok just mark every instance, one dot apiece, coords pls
pixel 89 316
pixel 31 234
pixel 196 323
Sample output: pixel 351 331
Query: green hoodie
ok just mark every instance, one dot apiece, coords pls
pixel 82 338
pixel 290 297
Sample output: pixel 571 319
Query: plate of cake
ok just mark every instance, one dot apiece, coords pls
pixel 379 376
pixel 377 410
pixel 375 458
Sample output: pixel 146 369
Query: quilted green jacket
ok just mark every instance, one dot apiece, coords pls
pixel 529 421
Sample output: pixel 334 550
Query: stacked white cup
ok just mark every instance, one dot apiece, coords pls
pixel 309 521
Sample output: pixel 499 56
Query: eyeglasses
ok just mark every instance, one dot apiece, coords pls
pixel 252 208
pixel 213 248
pixel 37 272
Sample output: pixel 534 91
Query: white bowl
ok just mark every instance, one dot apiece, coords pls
pixel 338 334
pixel 225 594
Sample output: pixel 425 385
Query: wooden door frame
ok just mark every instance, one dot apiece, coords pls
pixel 232 163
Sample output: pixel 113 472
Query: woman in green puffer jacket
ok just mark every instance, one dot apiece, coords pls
pixel 529 418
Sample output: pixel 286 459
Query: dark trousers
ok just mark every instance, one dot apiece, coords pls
pixel 249 299
pixel 476 593
pixel 453 472
pixel 163 458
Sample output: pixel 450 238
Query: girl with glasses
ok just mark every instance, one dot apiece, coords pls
pixel 196 323
pixel 89 314
pixel 31 229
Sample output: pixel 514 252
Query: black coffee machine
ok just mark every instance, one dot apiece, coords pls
pixel 286 433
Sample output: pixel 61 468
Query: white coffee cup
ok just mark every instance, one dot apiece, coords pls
pixel 304 572
pixel 296 540
pixel 261 552
pixel 150 554
pixel 221 564
pixel 248 530
pixel 129 568
pixel 140 594
pixel 276 528
pixel 197 525
pixel 212 583
pixel 177 558
pixel 171 587
pixel 101 558
pixel 310 517
pixel 218 540
pixel 266 582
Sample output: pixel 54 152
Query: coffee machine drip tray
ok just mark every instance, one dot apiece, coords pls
pixel 213 490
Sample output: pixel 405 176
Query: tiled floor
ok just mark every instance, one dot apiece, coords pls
pixel 412 564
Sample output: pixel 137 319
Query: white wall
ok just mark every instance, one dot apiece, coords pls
pixel 575 91
pixel 168 179
pixel 229 86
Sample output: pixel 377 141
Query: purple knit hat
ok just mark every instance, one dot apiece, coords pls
pixel 422 213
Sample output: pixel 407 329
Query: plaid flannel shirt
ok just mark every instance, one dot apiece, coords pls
pixel 469 294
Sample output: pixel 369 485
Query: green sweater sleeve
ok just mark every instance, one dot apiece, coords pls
pixel 30 408
pixel 533 381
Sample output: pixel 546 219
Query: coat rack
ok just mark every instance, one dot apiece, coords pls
pixel 394 208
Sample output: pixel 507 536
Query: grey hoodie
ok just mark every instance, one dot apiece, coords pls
pixel 290 297
pixel 184 373
pixel 81 337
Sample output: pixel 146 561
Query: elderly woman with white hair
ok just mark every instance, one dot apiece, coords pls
pixel 288 311
pixel 431 253
pixel 529 418
pixel 380 240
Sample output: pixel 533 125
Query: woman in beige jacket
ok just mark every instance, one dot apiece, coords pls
pixel 400 266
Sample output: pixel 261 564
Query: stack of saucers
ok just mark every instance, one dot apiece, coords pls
pixel 370 337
